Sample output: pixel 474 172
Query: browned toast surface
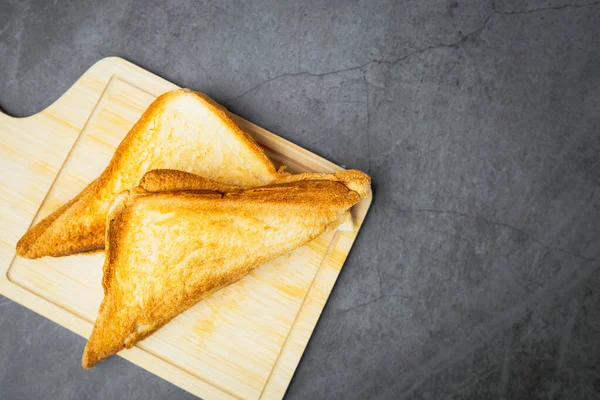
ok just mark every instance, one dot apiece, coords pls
pixel 182 130
pixel 166 251
pixel 165 180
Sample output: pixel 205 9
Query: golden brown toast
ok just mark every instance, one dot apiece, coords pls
pixel 166 251
pixel 182 130
pixel 164 180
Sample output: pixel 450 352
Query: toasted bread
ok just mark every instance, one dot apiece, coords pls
pixel 164 180
pixel 181 129
pixel 166 251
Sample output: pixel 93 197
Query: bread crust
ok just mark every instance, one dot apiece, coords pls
pixel 161 180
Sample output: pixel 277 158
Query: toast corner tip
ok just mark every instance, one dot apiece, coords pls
pixel 355 180
pixel 88 359
pixel 86 363
pixel 23 247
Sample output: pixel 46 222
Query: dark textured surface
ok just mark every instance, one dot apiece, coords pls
pixel 477 272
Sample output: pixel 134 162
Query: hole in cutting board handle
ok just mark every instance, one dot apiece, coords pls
pixel 60 89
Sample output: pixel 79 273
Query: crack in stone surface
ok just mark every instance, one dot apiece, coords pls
pixel 378 270
pixel 472 380
pixel 455 45
pixel 381 297
pixel 368 125
pixel 506 365
pixel 536 10
pixel 20 28
pixel 566 280
pixel 366 64
pixel 501 224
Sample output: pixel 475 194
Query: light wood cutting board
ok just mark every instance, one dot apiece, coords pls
pixel 243 342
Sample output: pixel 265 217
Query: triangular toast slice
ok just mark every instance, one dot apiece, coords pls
pixel 166 251
pixel 181 129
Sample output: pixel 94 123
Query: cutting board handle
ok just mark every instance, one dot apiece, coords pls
pixel 34 148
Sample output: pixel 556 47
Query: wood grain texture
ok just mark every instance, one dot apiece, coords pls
pixel 243 342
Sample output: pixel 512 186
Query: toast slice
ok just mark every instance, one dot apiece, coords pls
pixel 182 130
pixel 166 251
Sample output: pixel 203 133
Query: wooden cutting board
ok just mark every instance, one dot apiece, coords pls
pixel 244 341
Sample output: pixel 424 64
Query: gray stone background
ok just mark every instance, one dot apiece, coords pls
pixel 477 272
